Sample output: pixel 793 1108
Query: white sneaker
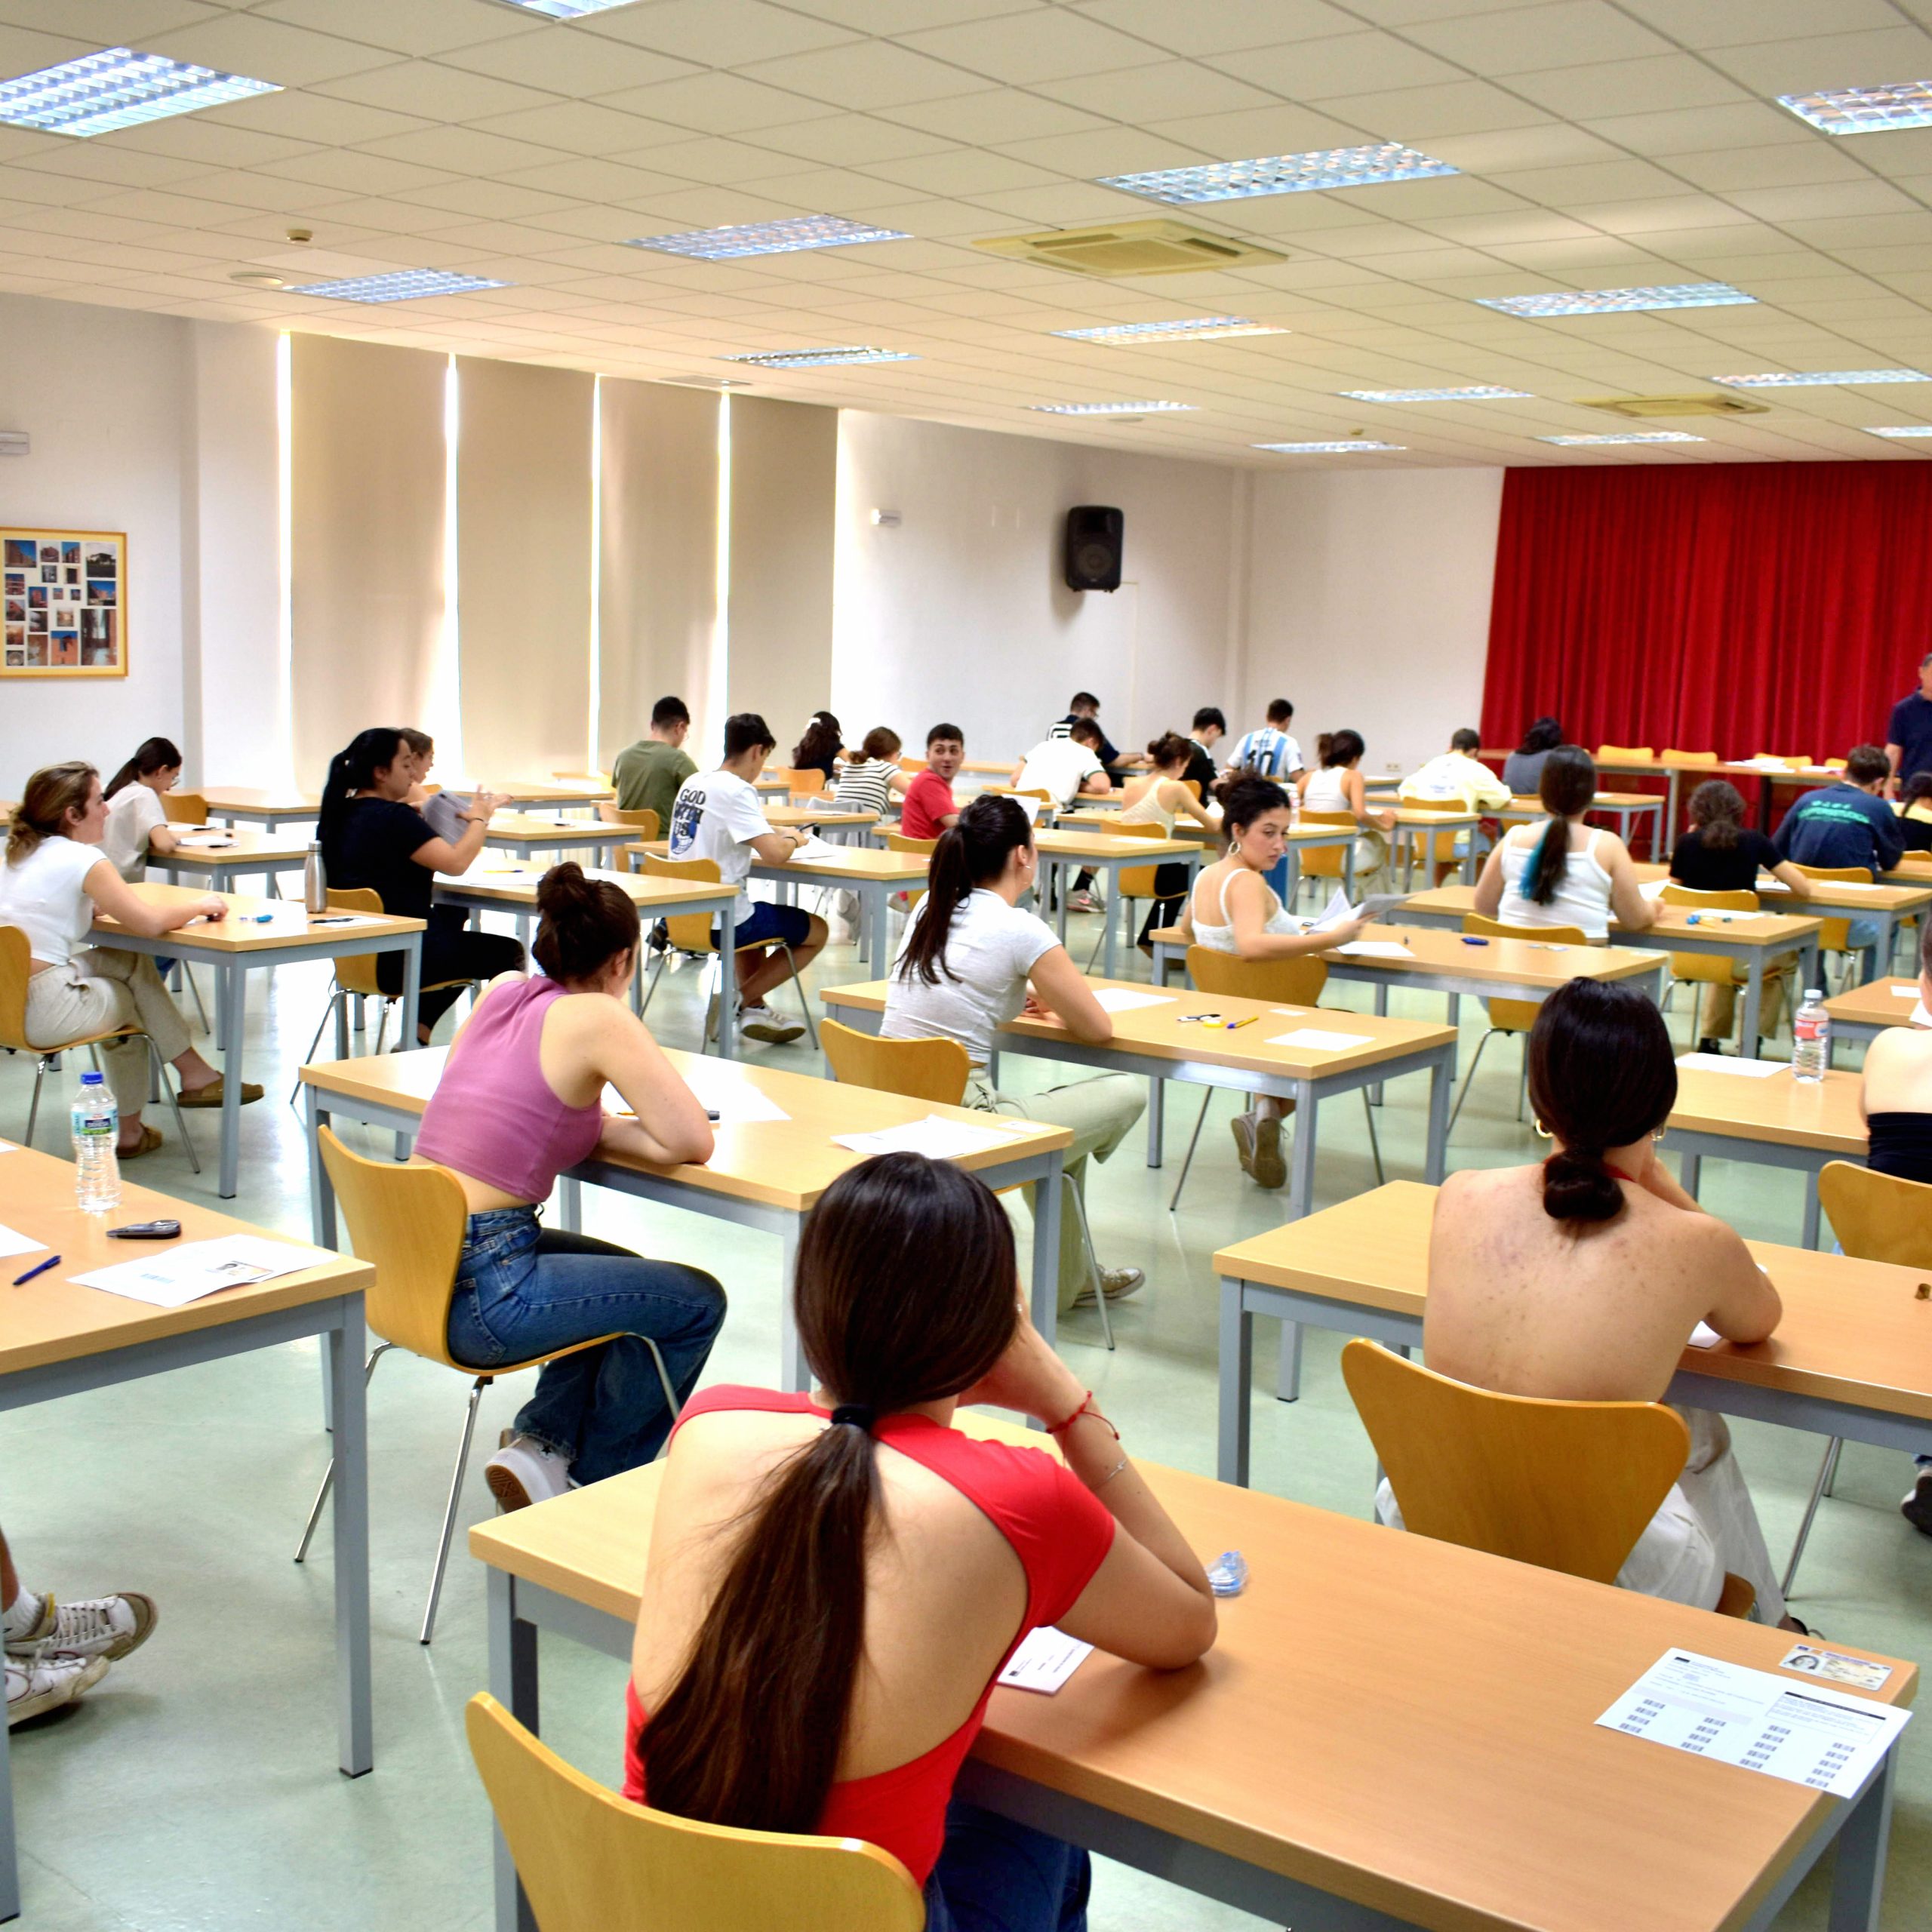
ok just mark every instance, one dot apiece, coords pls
pixel 523 1472
pixel 107 1627
pixel 1085 901
pixel 45 1680
pixel 760 1022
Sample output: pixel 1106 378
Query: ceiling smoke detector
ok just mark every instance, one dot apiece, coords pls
pixel 258 278
pixel 1709 404
pixel 1132 247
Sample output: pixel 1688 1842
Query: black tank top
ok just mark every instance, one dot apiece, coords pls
pixel 1901 1146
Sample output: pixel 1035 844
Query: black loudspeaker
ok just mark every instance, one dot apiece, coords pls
pixel 1094 536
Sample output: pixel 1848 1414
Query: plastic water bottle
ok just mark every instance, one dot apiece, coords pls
pixel 1811 1038
pixel 314 879
pixel 97 1130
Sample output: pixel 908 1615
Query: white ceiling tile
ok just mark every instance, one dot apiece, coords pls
pixel 1821 201
pixel 964 171
pixel 1343 63
pixel 1812 163
pixel 415 27
pixel 717 104
pixel 1140 95
pixel 346 171
pixel 716 162
pixel 314 117
pixel 907 15
pixel 1596 181
pixel 866 74
pixel 266 49
pixel 1670 214
pixel 496 200
pixel 1628 87
pixel 124 167
pixel 108 21
pixel 582 65
pixel 825 190
pixel 1829 61
pixel 1424 115
pixel 999 115
pixel 1105 151
pixel 1253 132
pixel 1048 43
pixel 463 150
pixel 1063 207
pixel 1737 22
pixel 387 218
pixel 1560 35
pixel 715 33
pixel 242 188
pixel 853 140
pixel 1223 28
pixel 579 127
pixel 433 90
pixel 1546 144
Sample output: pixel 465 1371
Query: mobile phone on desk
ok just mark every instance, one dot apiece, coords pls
pixel 146 1231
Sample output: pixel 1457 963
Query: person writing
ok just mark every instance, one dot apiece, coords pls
pixel 1069 765
pixel 929 808
pixel 648 774
pixel 137 827
pixel 1209 728
pixel 374 839
pixel 1522 770
pixel 1155 800
pixel 1908 736
pixel 836 1580
pixel 519 1103
pixel 1914 807
pixel 54 881
pixel 1847 824
pixel 1457 777
pixel 1580 1278
pixel 970 960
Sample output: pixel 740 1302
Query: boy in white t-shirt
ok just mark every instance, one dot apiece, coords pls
pixel 718 816
pixel 1067 768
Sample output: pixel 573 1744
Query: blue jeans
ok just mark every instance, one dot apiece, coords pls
pixel 524 1290
pixel 996 1876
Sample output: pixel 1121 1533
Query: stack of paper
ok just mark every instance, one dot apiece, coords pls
pixel 1125 999
pixel 937 1137
pixel 1746 1069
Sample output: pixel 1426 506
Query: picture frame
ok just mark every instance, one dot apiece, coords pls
pixel 77 624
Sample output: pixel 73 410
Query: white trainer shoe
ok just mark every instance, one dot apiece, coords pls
pixel 760 1022
pixel 44 1680
pixel 108 1627
pixel 523 1472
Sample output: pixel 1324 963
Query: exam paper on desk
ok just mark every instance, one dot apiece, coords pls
pixel 735 1102
pixel 12 1242
pixel 1317 1036
pixel 1744 1070
pixel 182 1274
pixel 1125 999
pixel 937 1137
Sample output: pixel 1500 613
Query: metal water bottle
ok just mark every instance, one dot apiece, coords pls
pixel 314 879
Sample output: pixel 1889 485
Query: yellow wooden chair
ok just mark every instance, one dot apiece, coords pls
pixel 1687 761
pixel 1699 970
pixel 643 819
pixel 800 781
pixel 16 969
pixel 1509 1016
pixel 1876 1217
pixel 591 1861
pixel 184 808
pixel 691 932
pixel 1622 754
pixel 1326 861
pixel 897 841
pixel 1790 759
pixel 1442 855
pixel 1567 1486
pixel 406 1220
pixel 1834 935
pixel 1130 883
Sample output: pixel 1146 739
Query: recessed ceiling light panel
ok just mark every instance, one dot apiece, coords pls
pixel 1617 301
pixel 1480 392
pixel 1105 408
pixel 1632 436
pixel 1281 174
pixel 820 359
pixel 1349 448
pixel 767 238
pixel 403 285
pixel 1903 431
pixel 1865 110
pixel 1822 378
pixel 1199 328
pixel 117 88
pixel 566 10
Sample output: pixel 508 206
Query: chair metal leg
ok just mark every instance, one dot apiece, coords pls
pixel 1092 1259
pixel 337 1009
pixel 657 974
pixel 328 1475
pixel 1207 1094
pixel 174 1101
pixel 1475 1063
pixel 1374 1145
pixel 805 1004
pixel 664 1382
pixel 455 1496
pixel 382 1025
pixel 33 1108
pixel 1827 1470
pixel 1831 1468
pixel 1523 1082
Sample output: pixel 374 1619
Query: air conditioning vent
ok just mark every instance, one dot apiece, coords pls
pixel 1716 402
pixel 1132 247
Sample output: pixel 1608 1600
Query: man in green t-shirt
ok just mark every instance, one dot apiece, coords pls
pixel 647 773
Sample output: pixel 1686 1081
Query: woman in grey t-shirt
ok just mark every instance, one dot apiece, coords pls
pixel 1522 770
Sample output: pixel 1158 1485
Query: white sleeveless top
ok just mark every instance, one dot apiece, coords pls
pixel 1221 938
pixel 1582 893
pixel 1147 809
pixel 1324 792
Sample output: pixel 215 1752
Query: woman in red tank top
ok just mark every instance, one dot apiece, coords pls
pixel 836 1581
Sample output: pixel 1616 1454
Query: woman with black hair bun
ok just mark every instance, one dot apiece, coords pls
pixel 1582 1277
pixel 521 1101
pixel 1522 770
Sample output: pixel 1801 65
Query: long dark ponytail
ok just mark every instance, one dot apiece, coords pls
pixel 972 853
pixel 154 755
pixel 1568 784
pixel 352 769
pixel 1717 811
pixel 904 1295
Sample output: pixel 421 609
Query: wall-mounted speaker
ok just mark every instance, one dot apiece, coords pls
pixel 1094 536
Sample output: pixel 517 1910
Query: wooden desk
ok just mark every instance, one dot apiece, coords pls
pixel 1852 1356
pixel 58 1339
pixel 1778 1121
pixel 215 868
pixel 767 1174
pixel 1865 1012
pixel 557 792
pixel 526 834
pixel 247 804
pixel 823 817
pixel 1625 807
pixel 1887 901
pixel 1065 853
pixel 1390 1731
pixel 259 933
pixel 1414 836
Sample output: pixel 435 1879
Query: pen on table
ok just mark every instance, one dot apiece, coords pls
pixel 1230 1025
pixel 39 1268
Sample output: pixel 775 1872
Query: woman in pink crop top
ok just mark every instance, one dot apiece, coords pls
pixel 521 1100
pixel 835 1581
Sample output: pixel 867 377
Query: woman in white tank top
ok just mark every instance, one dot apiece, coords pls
pixel 1560 872
pixel 1155 801
pixel 1337 788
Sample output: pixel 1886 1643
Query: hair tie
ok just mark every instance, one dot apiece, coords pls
pixel 860 1415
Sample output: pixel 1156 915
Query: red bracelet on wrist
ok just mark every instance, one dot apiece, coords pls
pixel 1086 1408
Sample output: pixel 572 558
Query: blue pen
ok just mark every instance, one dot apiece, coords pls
pixel 40 1267
pixel 256 918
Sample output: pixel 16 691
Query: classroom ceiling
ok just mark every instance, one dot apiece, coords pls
pixel 1602 143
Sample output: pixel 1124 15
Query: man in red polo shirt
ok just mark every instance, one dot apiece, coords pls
pixel 929 809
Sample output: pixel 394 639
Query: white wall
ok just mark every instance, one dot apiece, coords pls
pixel 1369 597
pixel 962 612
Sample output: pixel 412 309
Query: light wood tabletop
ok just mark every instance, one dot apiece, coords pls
pixel 1446 903
pixel 271 805
pixel 230 848
pixel 1515 962
pixel 1068 842
pixel 786 815
pixel 253 924
pixel 545 792
pixel 1392 1721
pixel 1776 1108
pixel 534 831
pixel 846 863
pixel 1870 1008
pixel 514 888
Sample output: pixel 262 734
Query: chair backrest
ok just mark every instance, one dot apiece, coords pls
pixel 407 1220
pixel 184 808
pixel 1670 754
pixel 1782 757
pixel 691 932
pixel 1740 901
pixel 16 969
pixel 1567 1486
pixel 1622 753
pixel 933 1070
pixel 1834 935
pixel 357 975
pixel 1194 788
pixel 1711 969
pixel 897 841
pixel 1326 861
pixel 911 767
pixel 1441 844
pixel 646 820
pixel 1877 1217
pixel 1518 1015
pixel 803 781
pixel 1136 882
pixel 1296 981
pixel 591 1861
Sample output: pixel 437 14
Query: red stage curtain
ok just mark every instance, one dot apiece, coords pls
pixel 1737 608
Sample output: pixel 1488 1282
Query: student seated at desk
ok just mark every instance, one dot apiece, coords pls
pixel 54 880
pixel 1155 800
pixel 969 961
pixel 1849 823
pixel 1522 770
pixel 1069 765
pixel 57 1651
pixel 836 1580
pixel 1562 872
pixel 718 816
pixel 1336 787
pixel 870 779
pixel 521 1100
pixel 647 774
pixel 929 808
pixel 374 839
pixel 1267 751
pixel 1458 777
pixel 818 749
pixel 1580 1279
pixel 1914 807
pixel 1233 909
pixel 1209 728
pixel 137 826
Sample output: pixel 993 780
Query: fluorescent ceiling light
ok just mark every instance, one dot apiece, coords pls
pixel 1821 378
pixel 1281 174
pixel 767 238
pixel 1480 392
pixel 819 359
pixel 1626 436
pixel 1865 110
pixel 1199 328
pixel 1349 448
pixel 1105 408
pixel 118 88
pixel 1903 430
pixel 402 285
pixel 567 9
pixel 1614 301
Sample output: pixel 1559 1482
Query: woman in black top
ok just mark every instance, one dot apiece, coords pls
pixel 1721 854
pixel 373 838
pixel 819 747
pixel 1915 811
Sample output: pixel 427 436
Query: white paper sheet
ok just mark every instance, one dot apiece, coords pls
pixel 173 1277
pixel 1317 1036
pixel 12 1242
pixel 1745 1070
pixel 1653 888
pixel 1125 999
pixel 937 1137
pixel 1790 1727
pixel 1373 949
pixel 1337 909
pixel 1045 1660
pixel 1919 1016
pixel 816 847
pixel 735 1102
pixel 1906 993
pixel 1705 1336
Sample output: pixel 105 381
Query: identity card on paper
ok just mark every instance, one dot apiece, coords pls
pixel 1045 1660
pixel 1805 1734
pixel 12 1242
pixel 1373 949
pixel 1745 1070
pixel 937 1137
pixel 1125 999
pixel 183 1275
pixel 1836 1666
pixel 1320 1037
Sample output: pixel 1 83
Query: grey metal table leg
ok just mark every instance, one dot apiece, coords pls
pixel 1435 1157
pixel 1157 1109
pixel 727 983
pixel 794 1373
pixel 9 1866
pixel 235 975
pixel 1858 1878
pixel 1754 1000
pixel 1301 1199
pixel 1237 1376
pixel 569 1203
pixel 1047 1211
pixel 343 1347
pixel 513 1682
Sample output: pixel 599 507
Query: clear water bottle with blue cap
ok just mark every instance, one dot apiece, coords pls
pixel 96 1132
